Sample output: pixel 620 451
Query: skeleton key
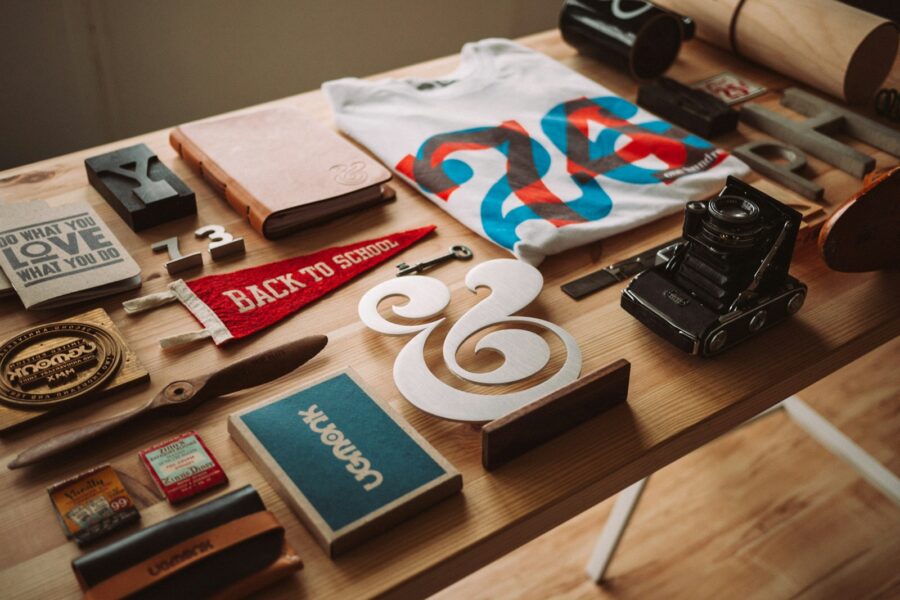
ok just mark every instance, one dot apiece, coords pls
pixel 457 252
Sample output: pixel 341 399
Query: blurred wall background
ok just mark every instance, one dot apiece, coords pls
pixel 75 73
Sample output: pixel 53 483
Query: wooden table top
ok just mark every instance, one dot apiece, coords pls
pixel 676 402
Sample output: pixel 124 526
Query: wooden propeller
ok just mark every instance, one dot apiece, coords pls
pixel 183 396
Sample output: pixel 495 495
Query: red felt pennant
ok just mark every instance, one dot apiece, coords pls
pixel 234 305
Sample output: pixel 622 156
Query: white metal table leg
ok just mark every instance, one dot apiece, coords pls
pixel 613 529
pixel 843 447
pixel 803 415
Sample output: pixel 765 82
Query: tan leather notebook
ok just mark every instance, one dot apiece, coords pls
pixel 280 168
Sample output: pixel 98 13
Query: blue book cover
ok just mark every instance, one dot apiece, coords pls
pixel 343 459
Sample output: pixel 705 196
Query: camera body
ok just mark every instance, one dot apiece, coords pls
pixel 728 279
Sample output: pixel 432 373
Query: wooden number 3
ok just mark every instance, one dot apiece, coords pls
pixel 513 286
pixel 221 243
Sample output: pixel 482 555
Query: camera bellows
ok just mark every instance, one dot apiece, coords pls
pixel 728 279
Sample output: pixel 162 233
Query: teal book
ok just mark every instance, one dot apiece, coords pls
pixel 343 460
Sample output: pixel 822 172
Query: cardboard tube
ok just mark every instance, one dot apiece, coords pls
pixel 712 17
pixel 831 46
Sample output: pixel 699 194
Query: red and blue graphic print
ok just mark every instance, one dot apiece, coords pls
pixel 616 153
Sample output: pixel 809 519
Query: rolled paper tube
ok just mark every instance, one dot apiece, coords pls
pixel 712 18
pixel 841 50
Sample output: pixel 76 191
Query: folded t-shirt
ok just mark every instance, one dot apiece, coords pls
pixel 528 153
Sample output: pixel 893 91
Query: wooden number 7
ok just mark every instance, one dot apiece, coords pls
pixel 177 262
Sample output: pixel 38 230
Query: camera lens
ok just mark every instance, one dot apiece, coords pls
pixel 733 209
pixel 731 223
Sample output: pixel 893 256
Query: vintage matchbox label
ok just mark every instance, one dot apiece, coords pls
pixel 92 504
pixel 183 467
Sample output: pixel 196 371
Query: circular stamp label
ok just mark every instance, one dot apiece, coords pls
pixel 51 364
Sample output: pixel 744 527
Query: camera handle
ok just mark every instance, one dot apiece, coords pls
pixel 763 266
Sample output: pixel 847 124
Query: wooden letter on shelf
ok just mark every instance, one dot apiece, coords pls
pixel 521 430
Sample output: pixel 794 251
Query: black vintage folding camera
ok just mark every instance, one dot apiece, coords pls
pixel 728 279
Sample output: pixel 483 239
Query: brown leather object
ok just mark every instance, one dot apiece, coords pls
pixel 279 168
pixel 288 562
pixel 172 560
pixel 226 548
pixel 864 233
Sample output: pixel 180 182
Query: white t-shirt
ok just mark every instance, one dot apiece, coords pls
pixel 528 153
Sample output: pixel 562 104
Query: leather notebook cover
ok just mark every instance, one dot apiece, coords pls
pixel 228 547
pixel 280 168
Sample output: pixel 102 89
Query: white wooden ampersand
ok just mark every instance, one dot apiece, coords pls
pixel 513 286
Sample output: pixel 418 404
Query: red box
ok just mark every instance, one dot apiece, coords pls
pixel 183 467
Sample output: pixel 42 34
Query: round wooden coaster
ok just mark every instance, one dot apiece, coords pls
pixel 55 363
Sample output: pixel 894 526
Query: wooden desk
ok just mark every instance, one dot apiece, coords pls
pixel 676 404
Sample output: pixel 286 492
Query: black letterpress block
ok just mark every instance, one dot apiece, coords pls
pixel 139 187
pixel 692 109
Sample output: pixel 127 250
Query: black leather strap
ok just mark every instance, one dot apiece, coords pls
pixel 620 271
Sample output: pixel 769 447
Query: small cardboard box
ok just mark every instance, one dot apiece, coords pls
pixel 343 460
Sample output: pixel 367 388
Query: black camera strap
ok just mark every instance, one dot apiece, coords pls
pixel 620 271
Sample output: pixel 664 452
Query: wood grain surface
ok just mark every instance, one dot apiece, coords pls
pixel 676 402
pixel 526 428
pixel 762 513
